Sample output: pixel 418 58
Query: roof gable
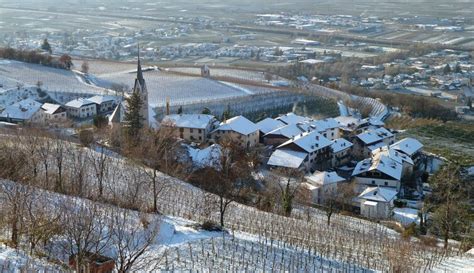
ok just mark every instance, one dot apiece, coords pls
pixel 267 125
pixel 409 146
pixel 309 141
pixel 378 194
pixel 238 124
pixel 195 121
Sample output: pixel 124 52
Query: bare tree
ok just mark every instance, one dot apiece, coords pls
pixel 14 198
pixel 42 223
pixel 100 164
pixel 449 199
pixel 85 229
pixel 158 151
pixel 230 179
pixel 85 67
pixel 132 238
pixel 59 150
pixel 336 197
pixel 287 180
pixel 79 170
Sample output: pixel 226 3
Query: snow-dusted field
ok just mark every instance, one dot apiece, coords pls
pixel 180 89
pixel 178 245
pixel 348 240
pixel 54 80
pixel 247 75
pixel 15 261
pixel 64 85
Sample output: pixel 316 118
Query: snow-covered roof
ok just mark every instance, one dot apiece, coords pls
pixel 376 146
pixel 195 121
pixel 340 144
pixel 118 114
pixel 378 194
pixel 238 124
pixel 292 118
pixel 374 135
pixel 291 130
pixel 309 141
pixel 267 125
pixel 349 121
pixel 376 122
pixel 409 146
pixel 50 108
pixel 381 163
pixel 208 157
pixel 78 103
pixel 324 178
pixel 325 124
pixel 399 157
pixel 22 110
pixel 101 99
pixel 286 158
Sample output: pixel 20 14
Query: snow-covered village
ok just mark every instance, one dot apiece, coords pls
pixel 124 162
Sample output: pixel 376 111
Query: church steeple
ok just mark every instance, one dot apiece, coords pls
pixel 140 78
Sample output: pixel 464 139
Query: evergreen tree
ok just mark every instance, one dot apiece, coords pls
pixel 133 118
pixel 450 202
pixel 457 68
pixel 206 111
pixel 447 69
pixel 227 113
pixel 46 46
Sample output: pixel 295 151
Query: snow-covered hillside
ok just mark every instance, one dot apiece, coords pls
pixel 347 240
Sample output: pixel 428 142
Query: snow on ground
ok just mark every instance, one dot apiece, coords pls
pixel 456 264
pixel 53 79
pixel 12 260
pixel 13 95
pixel 179 246
pixel 248 75
pixel 180 89
pixel 406 216
pixel 63 85
pixel 180 199
pixel 208 157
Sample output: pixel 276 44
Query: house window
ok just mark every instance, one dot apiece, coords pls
pixel 181 130
pixel 373 182
pixel 386 183
pixel 200 138
pixel 199 131
pixel 191 130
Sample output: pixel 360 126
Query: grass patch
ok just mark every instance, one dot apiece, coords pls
pixel 452 140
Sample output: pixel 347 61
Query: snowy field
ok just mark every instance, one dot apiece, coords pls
pixel 177 245
pixel 180 89
pixel 348 240
pixel 247 75
pixel 54 80
pixel 64 85
pixel 16 261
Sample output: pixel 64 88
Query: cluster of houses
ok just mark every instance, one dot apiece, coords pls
pixel 443 73
pixel 329 151
pixel 34 112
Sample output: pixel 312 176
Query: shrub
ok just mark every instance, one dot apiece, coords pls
pixel 86 137
pixel 429 241
pixel 409 231
pixel 210 226
pixel 399 203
